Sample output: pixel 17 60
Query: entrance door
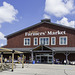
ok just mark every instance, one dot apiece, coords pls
pixel 43 59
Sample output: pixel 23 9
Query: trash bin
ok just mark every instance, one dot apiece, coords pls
pixel 33 61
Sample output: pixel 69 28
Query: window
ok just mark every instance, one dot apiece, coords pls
pixel 35 41
pixel 26 41
pixel 53 40
pixel 63 40
pixel 44 40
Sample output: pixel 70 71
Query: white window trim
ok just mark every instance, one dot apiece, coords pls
pixel 29 43
pixel 63 37
pixel 34 40
pixel 44 37
pixel 54 42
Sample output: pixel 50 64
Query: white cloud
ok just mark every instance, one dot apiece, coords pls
pixel 59 8
pixel 45 16
pixel 2 36
pixel 2 44
pixel 7 13
pixel 64 21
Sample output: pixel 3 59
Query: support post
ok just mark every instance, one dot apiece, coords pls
pixel 1 58
pixel 42 47
pixel 52 57
pixel 23 61
pixel 13 60
pixel 67 58
pixel 32 55
pixel 40 59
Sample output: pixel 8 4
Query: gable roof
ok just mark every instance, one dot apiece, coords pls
pixel 41 47
pixel 37 25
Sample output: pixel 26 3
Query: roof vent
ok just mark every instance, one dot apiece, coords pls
pixel 45 20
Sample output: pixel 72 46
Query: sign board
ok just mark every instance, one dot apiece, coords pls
pixel 36 33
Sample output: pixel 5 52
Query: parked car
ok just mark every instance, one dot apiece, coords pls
pixel 72 62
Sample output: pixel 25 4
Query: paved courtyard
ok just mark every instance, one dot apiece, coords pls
pixel 41 69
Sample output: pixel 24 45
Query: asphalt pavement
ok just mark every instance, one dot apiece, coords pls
pixel 41 69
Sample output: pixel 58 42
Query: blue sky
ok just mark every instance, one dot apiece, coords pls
pixel 18 14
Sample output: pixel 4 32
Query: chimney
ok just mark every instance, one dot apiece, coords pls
pixel 45 20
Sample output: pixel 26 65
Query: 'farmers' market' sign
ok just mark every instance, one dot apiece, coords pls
pixel 36 33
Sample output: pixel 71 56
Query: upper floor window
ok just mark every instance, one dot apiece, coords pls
pixel 53 40
pixel 63 40
pixel 36 41
pixel 26 41
pixel 44 40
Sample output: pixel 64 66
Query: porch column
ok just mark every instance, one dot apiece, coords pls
pixel 52 57
pixel 32 56
pixel 67 57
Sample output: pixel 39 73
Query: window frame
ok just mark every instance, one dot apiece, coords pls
pixel 29 42
pixel 34 40
pixel 44 37
pixel 63 41
pixel 54 40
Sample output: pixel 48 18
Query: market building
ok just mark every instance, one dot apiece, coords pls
pixel 44 42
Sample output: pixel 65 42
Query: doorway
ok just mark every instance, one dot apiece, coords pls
pixel 43 59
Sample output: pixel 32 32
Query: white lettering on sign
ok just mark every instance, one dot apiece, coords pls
pixel 56 33
pixel 36 33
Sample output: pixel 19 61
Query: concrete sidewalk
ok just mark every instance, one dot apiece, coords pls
pixel 41 69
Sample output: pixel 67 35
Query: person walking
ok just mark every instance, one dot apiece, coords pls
pixel 5 60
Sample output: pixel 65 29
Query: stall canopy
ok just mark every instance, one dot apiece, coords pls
pixel 6 50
